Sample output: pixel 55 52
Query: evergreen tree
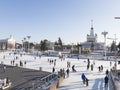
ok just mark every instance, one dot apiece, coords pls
pixel 37 46
pixel 113 46
pixel 56 46
pixel 43 45
pixel 118 46
pixel 60 44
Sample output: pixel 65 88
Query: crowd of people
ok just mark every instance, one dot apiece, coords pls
pixel 65 73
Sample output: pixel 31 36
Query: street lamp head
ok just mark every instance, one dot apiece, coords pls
pixel 24 39
pixel 28 37
pixel 117 17
pixel 104 33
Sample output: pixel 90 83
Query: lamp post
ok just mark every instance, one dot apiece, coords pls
pixel 104 33
pixel 28 41
pixel 72 50
pixel 24 44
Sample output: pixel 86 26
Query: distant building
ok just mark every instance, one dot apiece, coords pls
pixel 92 37
pixel 91 43
pixel 7 44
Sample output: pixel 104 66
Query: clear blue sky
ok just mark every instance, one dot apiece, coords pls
pixel 50 19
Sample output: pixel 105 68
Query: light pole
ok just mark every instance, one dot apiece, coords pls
pixel 24 44
pixel 28 41
pixel 72 49
pixel 104 33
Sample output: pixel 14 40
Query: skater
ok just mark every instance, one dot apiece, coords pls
pixel 107 72
pixel 68 72
pixel 25 63
pixel 63 73
pixel 88 62
pixel 110 63
pixel 101 67
pixel 94 62
pixel 13 62
pixel 53 70
pixel 83 78
pixel 87 66
pixel 91 67
pixel 86 82
pixel 73 68
pixel 54 62
pixel 68 64
pixel 106 80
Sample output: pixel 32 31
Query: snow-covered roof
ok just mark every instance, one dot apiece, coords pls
pixel 7 39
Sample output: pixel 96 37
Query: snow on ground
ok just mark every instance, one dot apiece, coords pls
pixel 74 81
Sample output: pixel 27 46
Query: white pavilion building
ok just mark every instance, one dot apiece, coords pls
pixel 91 42
pixel 7 44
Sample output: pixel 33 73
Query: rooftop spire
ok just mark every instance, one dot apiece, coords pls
pixel 91 24
pixel 91 31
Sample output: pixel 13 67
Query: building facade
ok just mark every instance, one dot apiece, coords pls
pixel 7 44
pixel 91 43
pixel 92 37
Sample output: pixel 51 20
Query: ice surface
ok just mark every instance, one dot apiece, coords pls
pixel 74 81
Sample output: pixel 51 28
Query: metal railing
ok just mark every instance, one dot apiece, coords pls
pixel 43 83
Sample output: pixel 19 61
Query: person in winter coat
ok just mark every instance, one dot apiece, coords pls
pixel 91 67
pixel 53 70
pixel 68 71
pixel 83 78
pixel 106 80
pixel 73 68
pixel 107 72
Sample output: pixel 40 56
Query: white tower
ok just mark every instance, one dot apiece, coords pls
pixel 92 37
pixel 92 29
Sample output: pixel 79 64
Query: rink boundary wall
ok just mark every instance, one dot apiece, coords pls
pixel 115 80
